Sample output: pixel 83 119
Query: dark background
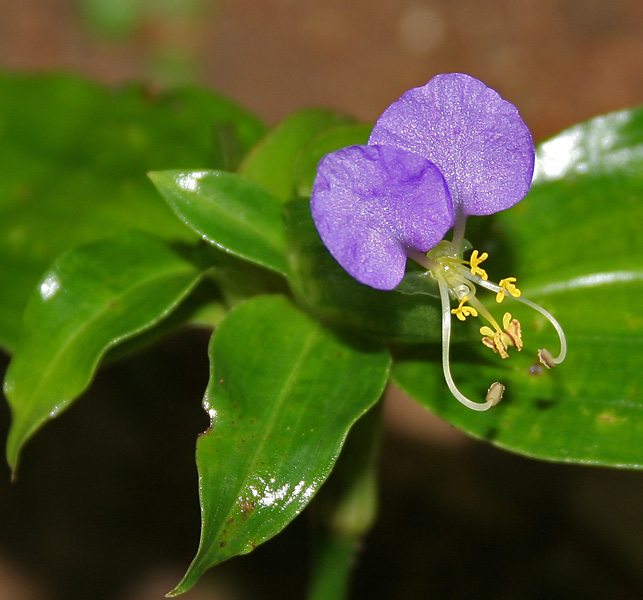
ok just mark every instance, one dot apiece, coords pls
pixel 106 503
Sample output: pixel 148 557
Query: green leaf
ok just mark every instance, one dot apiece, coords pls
pixel 575 245
pixel 339 300
pixel 327 141
pixel 283 393
pixel 92 298
pixel 233 213
pixel 271 162
pixel 74 159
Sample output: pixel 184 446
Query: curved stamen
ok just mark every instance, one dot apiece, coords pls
pixel 484 312
pixel 494 395
pixel 544 355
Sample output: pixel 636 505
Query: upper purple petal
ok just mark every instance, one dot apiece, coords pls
pixel 371 204
pixel 478 140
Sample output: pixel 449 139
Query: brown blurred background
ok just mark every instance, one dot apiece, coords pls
pixel 91 518
pixel 560 61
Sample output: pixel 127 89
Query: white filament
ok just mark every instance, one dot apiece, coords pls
pixel 545 313
pixel 446 369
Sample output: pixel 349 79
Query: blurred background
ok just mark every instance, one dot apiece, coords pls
pixel 106 504
pixel 560 61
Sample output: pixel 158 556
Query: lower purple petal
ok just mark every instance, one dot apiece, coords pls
pixel 371 204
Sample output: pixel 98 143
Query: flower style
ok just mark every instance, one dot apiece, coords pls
pixel 441 152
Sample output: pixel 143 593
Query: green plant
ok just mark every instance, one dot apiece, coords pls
pixel 99 264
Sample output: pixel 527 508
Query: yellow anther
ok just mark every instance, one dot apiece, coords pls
pixel 499 341
pixel 462 312
pixel 512 331
pixel 474 261
pixel 494 340
pixel 507 285
pixel 487 331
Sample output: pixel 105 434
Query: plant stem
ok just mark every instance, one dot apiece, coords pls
pixel 346 508
pixel 332 570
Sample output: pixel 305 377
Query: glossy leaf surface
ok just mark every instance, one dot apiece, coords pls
pixel 575 245
pixel 233 213
pixel 283 393
pixel 74 156
pixel 92 298
pixel 272 161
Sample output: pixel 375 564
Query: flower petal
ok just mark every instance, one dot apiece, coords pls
pixel 478 140
pixel 371 204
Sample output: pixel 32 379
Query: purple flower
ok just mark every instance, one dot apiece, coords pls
pixel 477 141
pixel 440 153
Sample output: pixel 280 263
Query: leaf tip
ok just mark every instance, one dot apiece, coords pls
pixel 15 442
pixel 183 586
pixel 191 577
pixel 12 461
pixel 155 176
pixel 163 179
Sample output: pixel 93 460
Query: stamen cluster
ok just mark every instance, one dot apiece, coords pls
pixel 457 279
pixel 441 152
